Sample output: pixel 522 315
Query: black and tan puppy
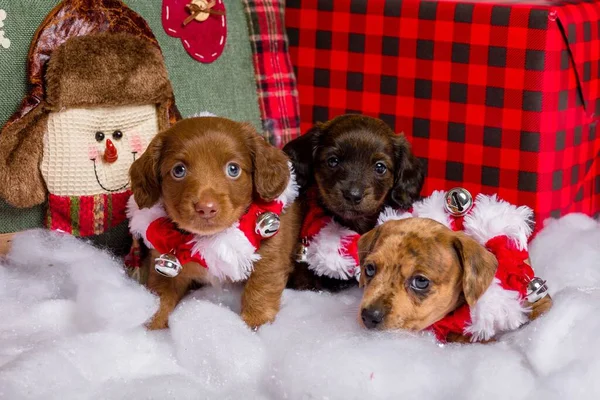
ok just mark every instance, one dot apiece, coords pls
pixel 359 166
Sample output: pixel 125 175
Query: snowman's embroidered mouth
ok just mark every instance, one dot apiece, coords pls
pixel 133 153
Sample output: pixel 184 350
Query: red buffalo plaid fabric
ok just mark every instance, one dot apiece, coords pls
pixel 276 83
pixel 497 98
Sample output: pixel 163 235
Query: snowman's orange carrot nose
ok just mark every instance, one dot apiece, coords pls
pixel 110 154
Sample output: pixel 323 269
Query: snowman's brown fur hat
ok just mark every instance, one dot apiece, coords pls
pixel 107 69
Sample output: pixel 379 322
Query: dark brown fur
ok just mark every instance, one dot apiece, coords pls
pixel 459 269
pixel 359 142
pixel 205 146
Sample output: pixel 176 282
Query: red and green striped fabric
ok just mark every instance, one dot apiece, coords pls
pixel 86 215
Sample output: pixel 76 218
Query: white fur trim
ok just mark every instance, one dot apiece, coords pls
pixel 291 191
pixel 203 114
pixel 228 254
pixel 324 252
pixel 389 214
pixel 433 207
pixel 496 311
pixel 491 217
pixel 140 219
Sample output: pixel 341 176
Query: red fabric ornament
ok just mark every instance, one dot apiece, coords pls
pixel 204 40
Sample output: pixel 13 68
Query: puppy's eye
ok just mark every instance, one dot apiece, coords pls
pixel 419 283
pixel 333 161
pixel 380 168
pixel 99 136
pixel 117 135
pixel 370 270
pixel 179 171
pixel 233 170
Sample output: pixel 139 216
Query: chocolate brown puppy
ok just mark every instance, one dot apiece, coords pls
pixel 207 172
pixel 358 165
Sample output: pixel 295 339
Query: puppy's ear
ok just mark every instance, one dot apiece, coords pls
pixel 366 244
pixel 145 174
pixel 479 267
pixel 301 152
pixel 271 172
pixel 408 175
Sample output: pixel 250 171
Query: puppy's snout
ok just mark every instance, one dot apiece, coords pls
pixel 372 316
pixel 207 209
pixel 353 195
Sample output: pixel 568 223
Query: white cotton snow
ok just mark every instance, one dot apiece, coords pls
pixel 71 327
pixel 566 252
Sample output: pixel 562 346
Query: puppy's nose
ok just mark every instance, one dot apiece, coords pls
pixel 353 195
pixel 206 210
pixel 372 317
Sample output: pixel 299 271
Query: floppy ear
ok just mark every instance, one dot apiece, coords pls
pixel 479 267
pixel 366 244
pixel 145 174
pixel 408 175
pixel 21 152
pixel 301 152
pixel 271 172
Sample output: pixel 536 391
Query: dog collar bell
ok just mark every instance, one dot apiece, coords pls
pixel 167 265
pixel 267 224
pixel 458 201
pixel 536 290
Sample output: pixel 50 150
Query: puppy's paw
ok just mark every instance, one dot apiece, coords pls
pixel 256 319
pixel 157 322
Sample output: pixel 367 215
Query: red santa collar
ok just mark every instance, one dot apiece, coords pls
pixel 229 254
pixel 504 230
pixel 329 248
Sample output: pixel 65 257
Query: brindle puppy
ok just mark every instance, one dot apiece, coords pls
pixel 416 271
pixel 359 166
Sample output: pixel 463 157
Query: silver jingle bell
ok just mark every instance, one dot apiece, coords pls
pixel 536 290
pixel 458 201
pixel 167 265
pixel 302 255
pixel 267 224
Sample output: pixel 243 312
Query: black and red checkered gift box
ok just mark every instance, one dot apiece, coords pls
pixel 496 97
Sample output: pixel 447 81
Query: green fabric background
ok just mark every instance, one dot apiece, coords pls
pixel 226 87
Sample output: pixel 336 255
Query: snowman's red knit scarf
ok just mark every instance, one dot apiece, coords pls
pixel 229 254
pixel 501 227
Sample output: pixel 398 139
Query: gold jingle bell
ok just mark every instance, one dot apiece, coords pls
pixel 167 265
pixel 267 224
pixel 458 201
